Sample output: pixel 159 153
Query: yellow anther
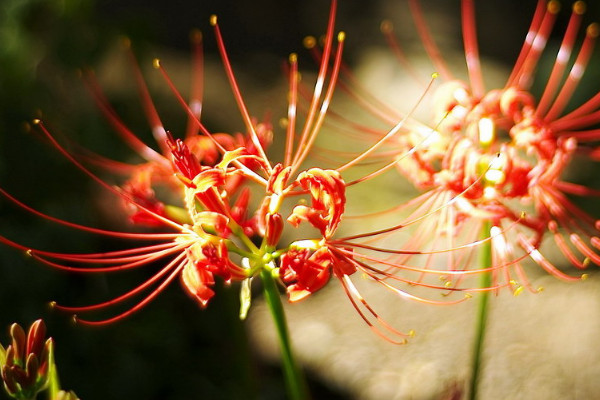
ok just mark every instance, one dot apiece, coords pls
pixel 341 36
pixel 468 295
pixel 36 121
pixel 518 291
pixel 448 284
pixel 29 252
pixel 213 20
pixel 412 333
pixel 579 7
pixel 386 26
pixel 283 122
pixel 156 63
pixel 435 75
pixel 593 30
pixel 52 304
pixel 540 289
pixel 553 7
pixel 586 262
pixel 584 277
pixel 293 58
pixel 195 35
pixel 309 42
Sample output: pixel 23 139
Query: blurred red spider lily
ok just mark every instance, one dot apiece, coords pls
pixel 495 158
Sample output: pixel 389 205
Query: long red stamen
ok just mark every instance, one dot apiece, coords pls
pixel 563 246
pixel 420 218
pixel 124 296
pixel 306 145
pixel 391 133
pixel 471 49
pixel 432 49
pixel 576 73
pixel 158 129
pixel 523 77
pixel 238 94
pixel 431 271
pixel 94 177
pixel 292 109
pixel 562 58
pixel 544 263
pixel 350 85
pixel 534 27
pixel 247 171
pixel 197 90
pixel 352 293
pixel 128 136
pixel 565 124
pixel 125 235
pixel 587 107
pixel 387 28
pixel 139 305
pixel 117 256
pixel 319 83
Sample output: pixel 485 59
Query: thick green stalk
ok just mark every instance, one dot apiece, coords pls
pixel 294 378
pixel 485 261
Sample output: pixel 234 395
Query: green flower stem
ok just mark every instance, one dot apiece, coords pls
pixel 53 381
pixel 294 378
pixel 485 261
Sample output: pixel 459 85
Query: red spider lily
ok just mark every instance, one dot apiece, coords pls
pixel 494 157
pixel 214 230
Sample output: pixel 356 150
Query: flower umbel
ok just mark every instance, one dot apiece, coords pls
pixel 496 156
pixel 211 232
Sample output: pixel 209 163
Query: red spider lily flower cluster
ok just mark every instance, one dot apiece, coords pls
pixel 484 152
pixel 492 163
pixel 211 230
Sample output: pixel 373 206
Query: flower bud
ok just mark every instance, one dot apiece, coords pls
pixel 24 363
pixel 274 229
pixel 64 395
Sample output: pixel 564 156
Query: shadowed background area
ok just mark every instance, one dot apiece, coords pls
pixel 172 349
